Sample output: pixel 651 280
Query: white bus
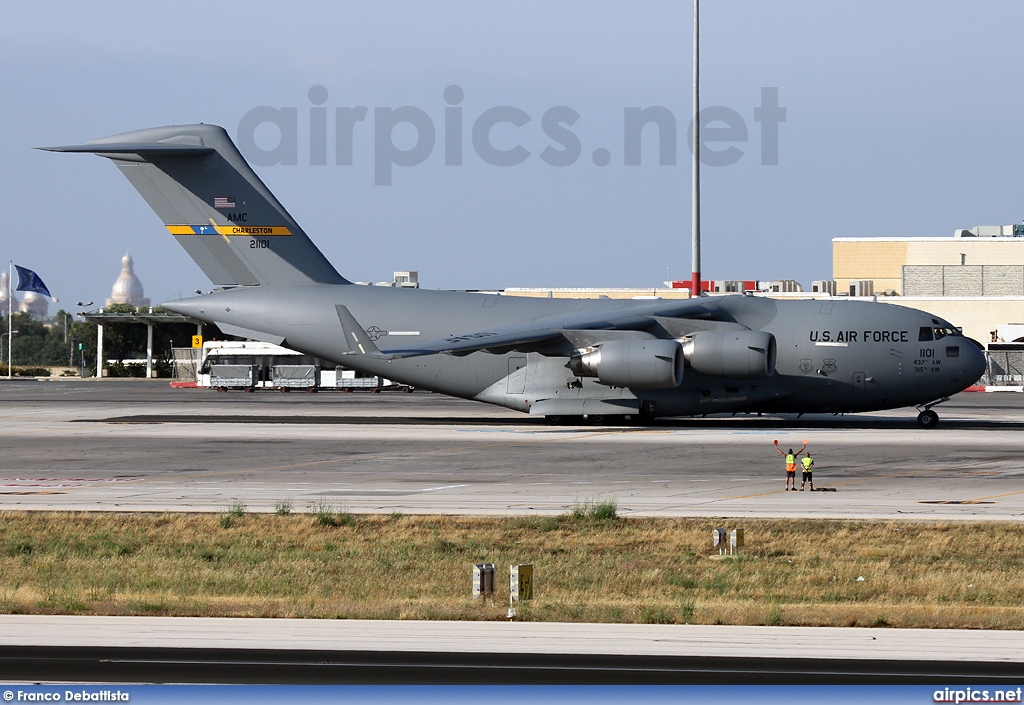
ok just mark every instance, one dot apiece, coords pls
pixel 252 365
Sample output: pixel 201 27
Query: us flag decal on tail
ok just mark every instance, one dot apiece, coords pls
pixel 223 201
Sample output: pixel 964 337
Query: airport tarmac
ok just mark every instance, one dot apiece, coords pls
pixel 142 446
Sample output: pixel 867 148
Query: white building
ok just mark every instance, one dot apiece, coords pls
pixel 4 289
pixel 127 288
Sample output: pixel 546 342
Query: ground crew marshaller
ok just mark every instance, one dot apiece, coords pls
pixel 808 462
pixel 790 464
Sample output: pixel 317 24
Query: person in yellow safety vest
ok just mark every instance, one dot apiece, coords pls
pixel 790 464
pixel 808 462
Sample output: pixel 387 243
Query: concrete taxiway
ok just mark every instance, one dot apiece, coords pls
pixel 141 446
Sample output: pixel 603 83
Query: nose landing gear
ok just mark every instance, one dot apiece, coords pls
pixel 928 418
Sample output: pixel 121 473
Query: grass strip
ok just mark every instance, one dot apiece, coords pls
pixel 590 566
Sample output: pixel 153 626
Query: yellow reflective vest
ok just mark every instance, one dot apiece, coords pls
pixel 808 463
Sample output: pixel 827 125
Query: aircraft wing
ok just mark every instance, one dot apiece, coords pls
pixel 562 327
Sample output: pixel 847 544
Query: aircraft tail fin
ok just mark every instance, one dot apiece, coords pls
pixel 214 205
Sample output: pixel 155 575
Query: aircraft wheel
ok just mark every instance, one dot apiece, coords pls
pixel 642 419
pixel 597 419
pixel 560 420
pixel 928 419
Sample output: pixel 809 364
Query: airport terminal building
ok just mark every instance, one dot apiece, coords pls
pixel 974 279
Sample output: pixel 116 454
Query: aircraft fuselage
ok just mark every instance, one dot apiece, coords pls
pixel 832 355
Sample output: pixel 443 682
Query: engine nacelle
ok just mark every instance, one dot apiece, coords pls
pixel 641 364
pixel 746 354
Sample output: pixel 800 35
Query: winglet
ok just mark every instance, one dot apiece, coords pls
pixel 359 342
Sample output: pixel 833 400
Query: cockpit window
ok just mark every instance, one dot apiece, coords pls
pixel 938 331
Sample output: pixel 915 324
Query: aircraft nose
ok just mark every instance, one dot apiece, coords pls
pixel 974 362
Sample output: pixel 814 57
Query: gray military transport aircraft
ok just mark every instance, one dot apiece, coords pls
pixel 560 358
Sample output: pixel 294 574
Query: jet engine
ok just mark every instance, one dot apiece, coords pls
pixel 748 354
pixel 641 364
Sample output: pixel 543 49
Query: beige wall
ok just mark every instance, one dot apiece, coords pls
pixel 860 259
pixel 979 250
pixel 882 259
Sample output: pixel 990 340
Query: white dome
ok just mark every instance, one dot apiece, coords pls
pixel 35 305
pixel 3 294
pixel 127 289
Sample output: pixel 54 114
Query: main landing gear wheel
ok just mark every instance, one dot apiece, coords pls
pixel 928 419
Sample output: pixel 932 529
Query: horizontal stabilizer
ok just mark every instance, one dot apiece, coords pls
pixel 128 148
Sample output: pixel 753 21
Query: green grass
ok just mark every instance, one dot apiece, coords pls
pixel 595 510
pixel 330 514
pixel 327 563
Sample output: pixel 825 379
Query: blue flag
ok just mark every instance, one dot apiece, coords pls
pixel 30 281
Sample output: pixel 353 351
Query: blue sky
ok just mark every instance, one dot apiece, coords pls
pixel 901 120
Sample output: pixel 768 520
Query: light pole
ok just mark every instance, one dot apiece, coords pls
pixel 695 189
pixel 71 356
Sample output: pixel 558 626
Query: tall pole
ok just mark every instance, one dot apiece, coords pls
pixel 695 208
pixel 99 350
pixel 148 351
pixel 10 314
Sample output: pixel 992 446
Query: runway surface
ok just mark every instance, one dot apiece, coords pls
pixel 163 649
pixel 141 446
